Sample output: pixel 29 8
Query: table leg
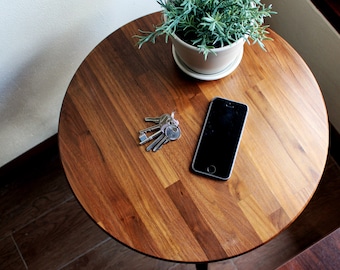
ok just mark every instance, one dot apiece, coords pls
pixel 201 266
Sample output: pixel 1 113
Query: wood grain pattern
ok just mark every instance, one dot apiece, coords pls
pixel 9 255
pixel 324 254
pixel 151 201
pixel 22 201
pixel 57 241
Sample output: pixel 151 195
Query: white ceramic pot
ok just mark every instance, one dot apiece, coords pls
pixel 223 62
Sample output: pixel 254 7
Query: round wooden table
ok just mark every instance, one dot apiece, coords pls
pixel 151 201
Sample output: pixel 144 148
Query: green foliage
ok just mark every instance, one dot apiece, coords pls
pixel 211 24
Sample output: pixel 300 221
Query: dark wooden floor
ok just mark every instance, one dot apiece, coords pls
pixel 325 254
pixel 42 226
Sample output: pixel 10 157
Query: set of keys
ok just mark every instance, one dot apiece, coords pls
pixel 167 130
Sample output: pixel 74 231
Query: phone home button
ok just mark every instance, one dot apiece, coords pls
pixel 211 169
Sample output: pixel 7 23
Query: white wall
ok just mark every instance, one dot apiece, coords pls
pixel 306 29
pixel 42 44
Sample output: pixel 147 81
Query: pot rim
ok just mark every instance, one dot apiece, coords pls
pixel 216 50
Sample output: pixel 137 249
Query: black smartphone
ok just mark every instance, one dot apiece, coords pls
pixel 220 137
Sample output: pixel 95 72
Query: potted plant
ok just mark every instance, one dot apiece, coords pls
pixel 212 30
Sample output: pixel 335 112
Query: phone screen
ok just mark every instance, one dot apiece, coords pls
pixel 219 140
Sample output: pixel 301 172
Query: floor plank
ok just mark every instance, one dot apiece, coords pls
pixel 325 254
pixel 31 193
pixel 58 237
pixel 113 255
pixel 9 255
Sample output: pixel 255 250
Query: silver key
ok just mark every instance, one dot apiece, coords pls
pixel 162 120
pixel 155 142
pixel 156 134
pixel 172 133
pixel 142 137
pixel 155 119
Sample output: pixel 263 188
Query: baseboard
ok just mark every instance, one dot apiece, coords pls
pixel 33 157
pixel 334 144
pixel 331 10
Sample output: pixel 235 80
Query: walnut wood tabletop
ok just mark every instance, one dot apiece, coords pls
pixel 151 201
